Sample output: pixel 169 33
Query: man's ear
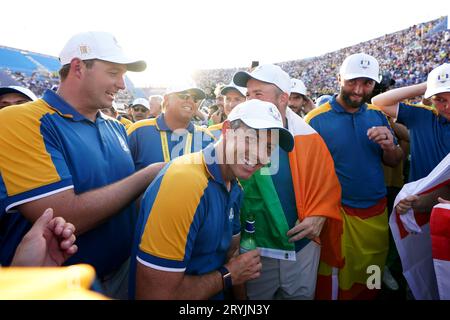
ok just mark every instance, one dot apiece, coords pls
pixel 76 67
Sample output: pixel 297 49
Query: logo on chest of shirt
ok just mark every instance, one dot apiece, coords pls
pixel 231 215
pixel 123 144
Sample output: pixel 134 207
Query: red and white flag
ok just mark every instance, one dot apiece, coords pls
pixel 440 242
pixel 411 233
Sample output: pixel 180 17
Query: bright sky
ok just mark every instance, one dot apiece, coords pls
pixel 176 36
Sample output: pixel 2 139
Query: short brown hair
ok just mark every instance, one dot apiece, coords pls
pixel 64 71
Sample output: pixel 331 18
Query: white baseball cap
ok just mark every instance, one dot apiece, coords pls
pixel 187 87
pixel 141 101
pixel 98 45
pixel 360 65
pixel 259 114
pixel 269 73
pixel 298 86
pixel 438 80
pixel 232 86
pixel 20 90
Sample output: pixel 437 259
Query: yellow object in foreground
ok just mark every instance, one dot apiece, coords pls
pixel 48 283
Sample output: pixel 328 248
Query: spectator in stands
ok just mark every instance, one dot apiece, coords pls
pixel 189 249
pixel 140 109
pixel 155 102
pixel 112 112
pixel 13 95
pixel 360 141
pixel 233 95
pixel 299 102
pixel 60 152
pixel 172 133
pixel 292 202
pixel 429 126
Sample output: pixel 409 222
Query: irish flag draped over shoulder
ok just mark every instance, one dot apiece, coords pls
pixel 317 193
pixel 411 233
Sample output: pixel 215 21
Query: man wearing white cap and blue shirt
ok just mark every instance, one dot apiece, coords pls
pixel 429 126
pixel 233 95
pixel 361 141
pixel 140 109
pixel 172 133
pixel 60 152
pixel 13 95
pixel 186 249
pixel 292 200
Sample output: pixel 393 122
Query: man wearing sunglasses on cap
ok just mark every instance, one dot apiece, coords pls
pixel 172 133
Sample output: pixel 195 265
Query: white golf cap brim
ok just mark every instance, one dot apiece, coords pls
pixel 20 90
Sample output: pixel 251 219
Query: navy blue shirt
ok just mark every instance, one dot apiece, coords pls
pixel 357 159
pixel 429 136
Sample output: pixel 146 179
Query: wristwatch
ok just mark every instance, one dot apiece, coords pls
pixel 226 278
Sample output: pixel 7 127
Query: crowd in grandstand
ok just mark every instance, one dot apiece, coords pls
pixel 408 55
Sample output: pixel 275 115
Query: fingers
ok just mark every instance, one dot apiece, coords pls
pixel 67 243
pixel 61 227
pixel 441 200
pixel 379 134
pixel 43 220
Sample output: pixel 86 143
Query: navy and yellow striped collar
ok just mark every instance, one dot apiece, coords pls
pixel 338 108
pixel 61 106
pixel 162 126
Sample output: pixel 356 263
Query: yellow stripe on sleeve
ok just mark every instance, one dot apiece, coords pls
pixel 169 222
pixel 25 163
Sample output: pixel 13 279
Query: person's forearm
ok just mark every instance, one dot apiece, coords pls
pixel 395 96
pixel 87 210
pixel 393 157
pixel 427 201
pixel 200 287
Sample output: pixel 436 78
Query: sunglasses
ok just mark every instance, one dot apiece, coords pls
pixel 186 97
pixel 140 109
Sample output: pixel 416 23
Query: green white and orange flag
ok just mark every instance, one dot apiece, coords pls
pixel 317 193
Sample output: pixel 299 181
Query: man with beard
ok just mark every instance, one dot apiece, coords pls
pixel 299 102
pixel 360 140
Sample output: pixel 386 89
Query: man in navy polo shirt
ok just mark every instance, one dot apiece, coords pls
pixel 429 127
pixel 60 152
pixel 360 140
pixel 185 249
pixel 172 133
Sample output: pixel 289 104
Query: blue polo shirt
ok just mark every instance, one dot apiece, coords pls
pixel 193 233
pixel 146 145
pixel 429 136
pixel 48 147
pixel 357 159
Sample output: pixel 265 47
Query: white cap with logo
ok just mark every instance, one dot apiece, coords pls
pixel 259 114
pixel 17 89
pixel 360 65
pixel 269 73
pixel 141 101
pixel 186 87
pixel 298 86
pixel 98 45
pixel 232 86
pixel 438 80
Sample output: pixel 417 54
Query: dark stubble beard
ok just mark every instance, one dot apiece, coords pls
pixel 352 104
